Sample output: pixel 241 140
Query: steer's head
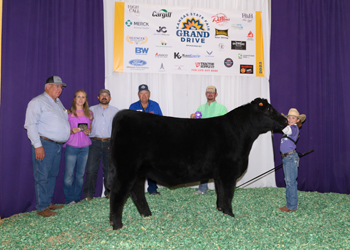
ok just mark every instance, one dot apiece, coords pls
pixel 266 118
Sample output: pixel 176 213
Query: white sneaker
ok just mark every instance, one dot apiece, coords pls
pixel 72 203
pixel 199 192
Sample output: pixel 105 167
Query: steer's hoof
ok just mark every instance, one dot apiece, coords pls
pixel 117 227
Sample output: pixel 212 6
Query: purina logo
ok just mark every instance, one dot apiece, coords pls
pixel 137 62
pixel 220 19
pixel 163 13
pixel 141 51
pixel 247 17
pixel 193 29
pixel 137 39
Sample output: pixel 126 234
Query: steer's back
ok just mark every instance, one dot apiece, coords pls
pixel 176 149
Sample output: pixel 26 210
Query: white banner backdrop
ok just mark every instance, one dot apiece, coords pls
pixel 184 40
pixel 181 95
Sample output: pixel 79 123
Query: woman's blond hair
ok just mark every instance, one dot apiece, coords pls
pixel 73 108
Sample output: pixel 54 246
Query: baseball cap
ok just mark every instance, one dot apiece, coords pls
pixel 104 91
pixel 143 87
pixel 56 80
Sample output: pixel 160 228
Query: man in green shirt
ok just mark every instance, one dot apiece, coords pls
pixel 210 109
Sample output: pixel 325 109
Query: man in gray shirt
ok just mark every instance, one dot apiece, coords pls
pixel 47 128
pixel 100 135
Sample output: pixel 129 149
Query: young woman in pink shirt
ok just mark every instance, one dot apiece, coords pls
pixel 77 147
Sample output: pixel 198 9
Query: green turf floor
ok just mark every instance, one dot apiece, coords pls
pixel 183 220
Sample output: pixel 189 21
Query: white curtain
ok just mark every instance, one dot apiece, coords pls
pixel 181 95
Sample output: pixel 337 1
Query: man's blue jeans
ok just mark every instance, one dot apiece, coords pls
pixel 97 150
pixel 152 186
pixel 75 158
pixel 290 169
pixel 203 187
pixel 45 173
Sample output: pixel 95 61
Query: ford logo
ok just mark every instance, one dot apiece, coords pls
pixel 138 62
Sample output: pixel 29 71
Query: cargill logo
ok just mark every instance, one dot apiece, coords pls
pixel 163 13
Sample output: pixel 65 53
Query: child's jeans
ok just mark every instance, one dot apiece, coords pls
pixel 290 169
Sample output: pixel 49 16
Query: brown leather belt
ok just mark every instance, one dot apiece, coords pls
pixel 288 153
pixel 51 140
pixel 101 139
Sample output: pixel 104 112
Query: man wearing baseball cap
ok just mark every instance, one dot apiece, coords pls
pixel 210 109
pixel 149 106
pixel 100 135
pixel 48 128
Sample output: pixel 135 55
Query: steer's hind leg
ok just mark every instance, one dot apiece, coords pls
pixel 219 194
pixel 138 196
pixel 120 190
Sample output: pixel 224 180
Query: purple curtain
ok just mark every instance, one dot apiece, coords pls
pixel 40 39
pixel 310 64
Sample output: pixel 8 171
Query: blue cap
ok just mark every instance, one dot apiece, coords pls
pixel 143 87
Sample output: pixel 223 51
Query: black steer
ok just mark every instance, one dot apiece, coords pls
pixel 174 151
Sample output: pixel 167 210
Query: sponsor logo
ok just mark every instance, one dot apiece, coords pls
pixel 178 56
pixel 128 23
pixel 220 19
pixel 247 17
pixel 137 39
pixel 164 44
pixel 228 62
pixel 260 68
pixel 163 13
pixel 238 45
pixel 141 51
pixel 134 9
pixel 206 65
pixel 237 26
pixel 137 25
pixel 246 69
pixel 221 33
pixel 250 36
pixel 221 46
pixel 157 55
pixel 161 68
pixel 179 67
pixel 137 62
pixel 240 56
pixel 193 29
pixel 162 29
pixel 209 54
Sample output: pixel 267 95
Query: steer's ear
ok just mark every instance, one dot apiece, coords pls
pixel 260 103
